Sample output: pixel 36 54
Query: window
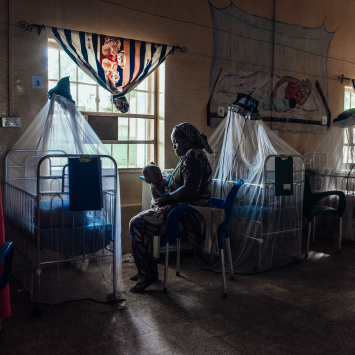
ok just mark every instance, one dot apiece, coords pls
pixel 349 98
pixel 349 133
pixel 348 145
pixel 135 145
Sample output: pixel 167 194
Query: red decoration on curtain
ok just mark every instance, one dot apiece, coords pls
pixel 117 64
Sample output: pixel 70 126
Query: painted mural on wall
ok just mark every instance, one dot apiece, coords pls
pixel 285 66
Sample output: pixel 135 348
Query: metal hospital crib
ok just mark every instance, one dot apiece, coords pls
pixel 324 179
pixel 262 221
pixel 43 229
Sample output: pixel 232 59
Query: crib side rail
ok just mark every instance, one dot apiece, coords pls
pixel 20 215
pixel 316 160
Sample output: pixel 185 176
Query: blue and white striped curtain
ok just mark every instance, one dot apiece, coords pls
pixel 117 64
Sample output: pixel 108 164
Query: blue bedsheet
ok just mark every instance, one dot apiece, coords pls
pixel 94 237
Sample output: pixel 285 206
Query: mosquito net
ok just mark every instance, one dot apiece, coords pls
pixel 62 254
pixel 330 166
pixel 265 229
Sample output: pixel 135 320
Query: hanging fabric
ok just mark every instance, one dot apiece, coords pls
pixel 330 165
pixel 63 253
pixel 117 64
pixel 265 228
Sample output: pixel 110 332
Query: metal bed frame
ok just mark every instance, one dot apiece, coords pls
pixel 319 162
pixel 323 179
pixel 23 215
pixel 268 198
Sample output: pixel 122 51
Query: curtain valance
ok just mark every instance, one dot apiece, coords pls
pixel 117 64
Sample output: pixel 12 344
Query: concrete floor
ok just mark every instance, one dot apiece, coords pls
pixel 305 308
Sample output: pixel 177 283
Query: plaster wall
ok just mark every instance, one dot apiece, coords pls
pixel 185 23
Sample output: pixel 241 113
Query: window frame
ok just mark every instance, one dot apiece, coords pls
pixel 155 100
pixel 349 131
pixel 350 90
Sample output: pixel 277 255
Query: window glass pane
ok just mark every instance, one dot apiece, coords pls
pixel 87 98
pixel 132 155
pixel 105 100
pixel 352 103
pixel 107 163
pixel 122 128
pixel 133 102
pixel 108 147
pixel 150 110
pixel 133 129
pixel 346 136
pixel 73 92
pixel 162 90
pixel 53 63
pixel 347 101
pixel 348 154
pixel 161 78
pixel 142 85
pixel 150 82
pixel 120 154
pixel 141 129
pixel 140 155
pixel 150 95
pixel 142 103
pixel 67 67
pixel 345 154
pixel 52 84
pixel 145 129
pixel 83 78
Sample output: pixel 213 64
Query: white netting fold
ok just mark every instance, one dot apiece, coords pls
pixel 330 166
pixel 265 229
pixel 71 249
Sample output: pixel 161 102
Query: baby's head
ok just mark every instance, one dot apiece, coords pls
pixel 152 174
pixel 306 88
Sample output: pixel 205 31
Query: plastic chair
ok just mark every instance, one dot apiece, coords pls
pixel 222 232
pixel 6 254
pixel 311 209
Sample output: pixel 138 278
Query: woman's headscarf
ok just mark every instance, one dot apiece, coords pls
pixel 195 135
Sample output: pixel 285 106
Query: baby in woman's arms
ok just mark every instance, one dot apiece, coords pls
pixel 153 176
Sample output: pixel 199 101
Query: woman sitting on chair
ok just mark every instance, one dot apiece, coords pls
pixel 189 183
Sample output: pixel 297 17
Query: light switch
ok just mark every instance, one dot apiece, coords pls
pixel 11 122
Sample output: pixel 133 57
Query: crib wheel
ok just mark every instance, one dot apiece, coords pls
pixel 36 312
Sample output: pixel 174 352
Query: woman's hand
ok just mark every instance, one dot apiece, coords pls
pixel 163 200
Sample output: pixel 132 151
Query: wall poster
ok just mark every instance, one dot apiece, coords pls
pixel 283 65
